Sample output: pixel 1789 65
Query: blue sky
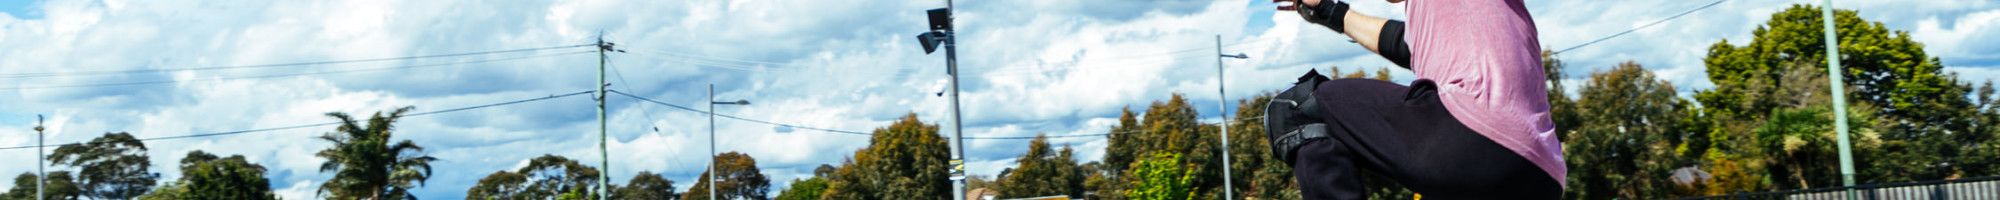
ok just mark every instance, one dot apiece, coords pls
pixel 1032 66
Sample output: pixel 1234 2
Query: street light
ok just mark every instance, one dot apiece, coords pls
pixel 940 33
pixel 715 177
pixel 1228 189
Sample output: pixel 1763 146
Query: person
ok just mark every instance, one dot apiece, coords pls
pixel 1474 125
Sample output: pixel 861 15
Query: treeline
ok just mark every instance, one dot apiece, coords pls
pixel 1768 124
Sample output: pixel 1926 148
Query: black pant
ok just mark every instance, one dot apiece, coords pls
pixel 1406 134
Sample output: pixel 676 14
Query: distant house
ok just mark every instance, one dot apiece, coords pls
pixel 1057 197
pixel 981 194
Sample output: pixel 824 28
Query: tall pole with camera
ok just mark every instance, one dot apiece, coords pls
pixel 940 33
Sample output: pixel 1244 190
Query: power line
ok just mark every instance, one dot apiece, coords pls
pixel 735 117
pixel 329 123
pixel 289 74
pixel 1115 61
pixel 1640 27
pixel 871 135
pixel 89 73
pixel 754 66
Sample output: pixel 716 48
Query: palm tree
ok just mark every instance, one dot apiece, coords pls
pixel 366 166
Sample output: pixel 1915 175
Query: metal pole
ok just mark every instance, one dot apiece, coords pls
pixel 957 122
pixel 1228 189
pixel 1839 98
pixel 41 175
pixel 712 175
pixel 603 150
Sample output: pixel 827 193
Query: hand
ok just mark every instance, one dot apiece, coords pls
pixel 1330 15
pixel 1294 5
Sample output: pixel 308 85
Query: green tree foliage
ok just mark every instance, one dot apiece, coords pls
pixel 1624 146
pixel 366 165
pixel 903 161
pixel 1162 176
pixel 113 166
pixel 1043 172
pixel 647 185
pixel 1168 127
pixel 545 177
pixel 740 179
pixel 61 186
pixel 499 185
pixel 205 176
pixel 1910 118
pixel 170 191
pixel 804 189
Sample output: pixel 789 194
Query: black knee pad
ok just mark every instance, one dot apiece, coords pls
pixel 1294 117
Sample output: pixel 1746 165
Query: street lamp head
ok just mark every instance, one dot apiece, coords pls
pixel 940 19
pixel 737 102
pixel 1237 56
pixel 931 40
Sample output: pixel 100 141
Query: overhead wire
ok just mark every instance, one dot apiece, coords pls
pixel 289 74
pixel 1628 31
pixel 211 134
pixel 111 72
pixel 735 117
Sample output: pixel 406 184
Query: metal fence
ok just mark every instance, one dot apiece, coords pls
pixel 1983 188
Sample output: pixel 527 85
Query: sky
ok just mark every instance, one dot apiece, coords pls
pixel 1057 67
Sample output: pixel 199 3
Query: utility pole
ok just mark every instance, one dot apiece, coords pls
pixel 957 119
pixel 1839 98
pixel 1228 189
pixel 940 33
pixel 715 177
pixel 603 149
pixel 41 175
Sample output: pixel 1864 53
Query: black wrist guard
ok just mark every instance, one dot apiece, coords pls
pixel 1328 13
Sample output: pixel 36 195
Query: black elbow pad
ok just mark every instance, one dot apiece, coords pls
pixel 1392 45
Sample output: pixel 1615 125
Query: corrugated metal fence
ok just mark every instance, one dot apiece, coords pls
pixel 1983 188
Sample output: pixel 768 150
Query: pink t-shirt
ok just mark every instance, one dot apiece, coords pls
pixel 1487 63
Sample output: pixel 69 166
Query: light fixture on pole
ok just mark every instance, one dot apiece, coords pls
pixel 1228 188
pixel 715 177
pixel 940 33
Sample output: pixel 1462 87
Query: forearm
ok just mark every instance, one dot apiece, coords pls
pixel 1365 30
pixel 1382 36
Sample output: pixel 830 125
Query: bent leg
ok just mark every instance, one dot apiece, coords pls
pixel 1406 134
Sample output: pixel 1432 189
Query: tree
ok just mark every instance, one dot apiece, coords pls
pixel 648 185
pixel 499 185
pixel 740 179
pixel 806 189
pixel 545 177
pixel 1162 176
pixel 1043 172
pixel 205 176
pixel 366 165
pixel 902 161
pixel 1923 117
pixel 61 186
pixel 1624 146
pixel 113 166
